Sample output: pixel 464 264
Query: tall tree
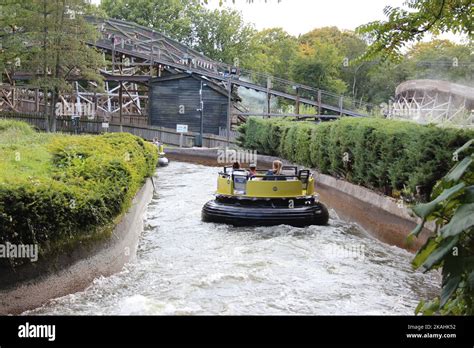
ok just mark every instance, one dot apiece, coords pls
pixel 51 39
pixel 441 59
pixel 273 51
pixel 223 35
pixel 174 18
pixel 350 46
pixel 318 65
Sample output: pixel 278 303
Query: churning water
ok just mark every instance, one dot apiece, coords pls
pixel 185 266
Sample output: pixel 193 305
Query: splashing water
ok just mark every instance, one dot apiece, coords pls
pixel 185 266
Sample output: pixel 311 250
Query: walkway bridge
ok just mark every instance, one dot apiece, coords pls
pixel 139 45
pixel 137 54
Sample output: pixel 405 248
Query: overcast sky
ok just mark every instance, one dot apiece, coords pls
pixel 300 16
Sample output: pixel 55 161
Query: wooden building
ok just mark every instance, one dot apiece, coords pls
pixel 176 99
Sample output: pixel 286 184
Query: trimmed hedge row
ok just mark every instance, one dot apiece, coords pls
pixel 89 181
pixel 395 157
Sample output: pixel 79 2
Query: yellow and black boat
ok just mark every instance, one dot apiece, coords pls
pixel 266 200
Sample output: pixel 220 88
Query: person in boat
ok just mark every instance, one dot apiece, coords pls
pixel 236 168
pixel 252 171
pixel 275 173
pixel 239 176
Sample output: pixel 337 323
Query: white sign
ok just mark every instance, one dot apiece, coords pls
pixel 105 125
pixel 181 128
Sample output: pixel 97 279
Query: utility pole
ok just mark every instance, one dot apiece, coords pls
pixel 201 110
pixel 229 109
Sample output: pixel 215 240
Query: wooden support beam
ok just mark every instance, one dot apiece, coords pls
pixel 95 104
pixel 120 107
pixel 297 102
pixel 37 101
pixel 319 102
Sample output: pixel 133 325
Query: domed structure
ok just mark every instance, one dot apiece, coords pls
pixel 434 101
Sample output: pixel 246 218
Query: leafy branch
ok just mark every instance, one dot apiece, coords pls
pixel 451 248
pixel 402 26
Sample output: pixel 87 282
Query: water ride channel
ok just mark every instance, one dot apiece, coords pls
pixel 188 266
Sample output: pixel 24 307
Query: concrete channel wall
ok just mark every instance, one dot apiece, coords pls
pixel 383 217
pixel 66 274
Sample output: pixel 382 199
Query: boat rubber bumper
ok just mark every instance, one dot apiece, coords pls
pixel 315 214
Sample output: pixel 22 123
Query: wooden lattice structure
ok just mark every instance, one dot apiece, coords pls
pixel 434 101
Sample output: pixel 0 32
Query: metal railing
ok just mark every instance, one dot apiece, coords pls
pixel 86 126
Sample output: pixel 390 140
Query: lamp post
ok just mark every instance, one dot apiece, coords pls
pixel 201 109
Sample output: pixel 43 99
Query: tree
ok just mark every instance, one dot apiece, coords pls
pixel 441 59
pixel 317 64
pixel 174 18
pixel 223 35
pixel 220 34
pixel 10 43
pixel 49 41
pixel 387 38
pixel 273 51
pixel 381 80
pixel 350 46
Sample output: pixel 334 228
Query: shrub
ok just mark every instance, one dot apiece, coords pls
pixel 74 185
pixel 387 155
pixel 301 151
pixel 319 143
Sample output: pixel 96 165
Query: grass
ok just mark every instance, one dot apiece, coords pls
pixel 23 153
pixel 58 190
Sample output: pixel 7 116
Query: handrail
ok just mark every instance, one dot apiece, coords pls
pixel 221 69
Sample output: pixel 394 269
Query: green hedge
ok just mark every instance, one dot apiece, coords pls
pixel 63 189
pixel 391 156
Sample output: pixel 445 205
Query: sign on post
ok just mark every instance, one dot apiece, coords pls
pixel 181 128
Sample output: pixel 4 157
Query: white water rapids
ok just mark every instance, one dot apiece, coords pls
pixel 185 266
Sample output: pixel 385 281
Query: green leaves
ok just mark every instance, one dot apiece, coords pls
pixel 417 229
pixel 458 171
pixel 423 210
pixel 449 288
pixel 386 155
pixel 50 43
pixel 402 26
pixel 462 220
pixel 424 252
pixel 436 252
pixel 452 248
pixel 470 280
pixel 73 185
